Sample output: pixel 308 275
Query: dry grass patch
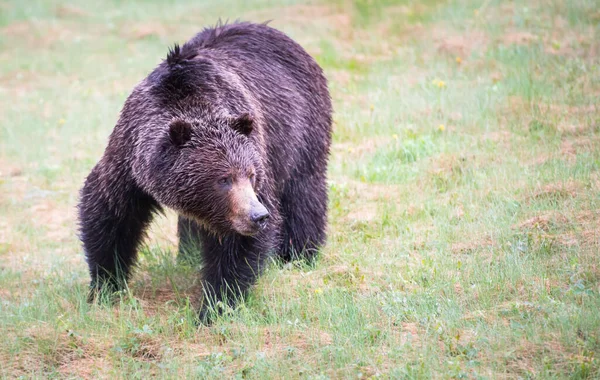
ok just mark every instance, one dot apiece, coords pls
pixel 561 39
pixel 561 190
pixel 87 368
pixel 42 34
pixel 544 222
pixel 518 37
pixel 67 11
pixel 589 223
pixel 143 30
pixel 9 169
pixel 408 333
pixel 473 246
pixel 58 222
pixel 553 227
pixel 364 199
pixel 276 344
pixel 364 191
pixel 48 349
pixel 365 147
pixel 522 358
pixel 447 164
pixel 570 148
pixel 462 45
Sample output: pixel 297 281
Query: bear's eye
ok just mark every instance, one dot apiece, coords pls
pixel 225 181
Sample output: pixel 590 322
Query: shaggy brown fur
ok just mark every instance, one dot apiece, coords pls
pixel 233 132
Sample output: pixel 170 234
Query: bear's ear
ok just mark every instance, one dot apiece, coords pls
pixel 180 132
pixel 244 124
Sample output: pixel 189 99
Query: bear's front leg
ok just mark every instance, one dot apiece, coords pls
pixel 113 214
pixel 231 265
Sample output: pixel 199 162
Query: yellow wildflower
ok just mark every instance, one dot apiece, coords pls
pixel 441 128
pixel 439 83
pixel 458 60
pixel 62 121
pixel 318 291
pixel 395 136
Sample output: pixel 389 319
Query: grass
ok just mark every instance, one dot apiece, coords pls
pixel 464 196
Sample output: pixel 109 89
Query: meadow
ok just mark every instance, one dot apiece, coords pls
pixel 464 183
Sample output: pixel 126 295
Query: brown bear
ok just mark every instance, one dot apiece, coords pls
pixel 233 132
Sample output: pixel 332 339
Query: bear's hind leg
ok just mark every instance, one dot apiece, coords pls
pixel 304 209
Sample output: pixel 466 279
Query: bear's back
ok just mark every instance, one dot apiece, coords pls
pixel 285 81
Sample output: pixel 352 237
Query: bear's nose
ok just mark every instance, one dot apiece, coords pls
pixel 259 217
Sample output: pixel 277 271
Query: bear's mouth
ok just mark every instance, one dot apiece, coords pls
pixel 249 228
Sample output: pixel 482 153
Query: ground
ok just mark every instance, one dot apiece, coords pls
pixel 464 216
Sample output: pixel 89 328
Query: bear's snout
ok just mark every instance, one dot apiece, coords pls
pixel 259 215
pixel 248 215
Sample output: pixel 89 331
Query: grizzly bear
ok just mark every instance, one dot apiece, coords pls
pixel 233 132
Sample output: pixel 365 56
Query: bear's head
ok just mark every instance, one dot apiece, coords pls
pixel 211 171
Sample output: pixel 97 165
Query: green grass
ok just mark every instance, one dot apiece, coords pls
pixel 464 196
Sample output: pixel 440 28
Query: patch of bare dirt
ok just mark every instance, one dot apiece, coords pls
pixel 446 163
pixel 312 337
pixel 9 169
pixel 140 31
pixel 570 148
pixel 156 299
pixel 372 191
pixel 274 344
pixel 195 350
pixel 300 13
pixel 595 179
pixel 468 247
pixel 303 16
pixel 407 333
pixel 518 38
pixel 367 146
pixel 564 109
pixel 148 348
pixel 341 78
pixel 589 223
pixel 364 198
pixel 59 222
pixel 338 22
pixel 86 368
pixel 575 127
pixel 460 45
pixel 562 39
pixel 498 136
pixel 38 33
pixel 363 213
pixel 66 11
pixel 559 38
